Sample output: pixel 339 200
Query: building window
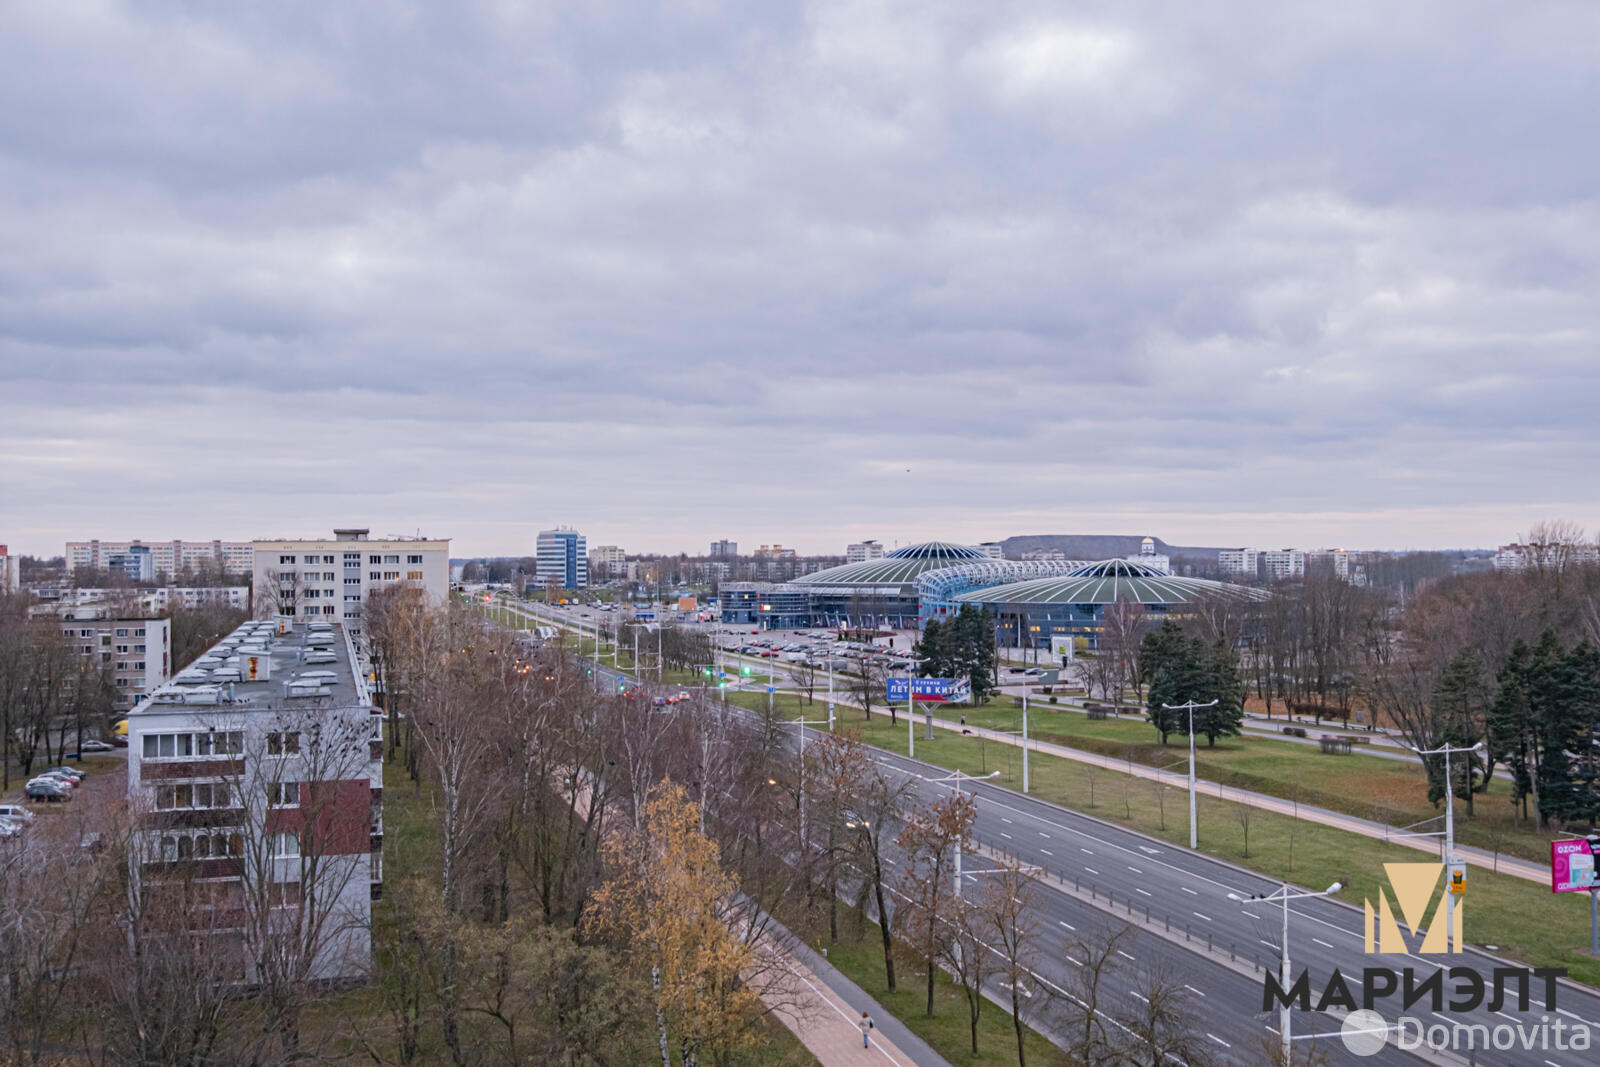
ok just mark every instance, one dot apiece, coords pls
pixel 283 560
pixel 353 581
pixel 287 844
pixel 375 576
pixel 85 633
pixel 122 631
pixel 138 631
pixel 284 743
pixel 327 609
pixel 122 650
pixel 413 576
pixel 413 559
pixel 391 576
pixel 374 559
pixel 283 794
pixel 352 598
pixel 391 559
pixel 138 648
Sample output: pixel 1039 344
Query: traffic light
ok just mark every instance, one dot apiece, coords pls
pixel 744 670
pixel 707 672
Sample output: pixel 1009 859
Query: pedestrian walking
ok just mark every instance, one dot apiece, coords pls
pixel 865 1024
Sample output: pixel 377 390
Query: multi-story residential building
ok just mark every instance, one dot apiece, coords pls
pixel 136 652
pixel 10 571
pixel 1335 561
pixel 166 557
pixel 1516 557
pixel 863 551
pixel 136 564
pixel 992 549
pixel 1277 564
pixel 97 603
pixel 775 552
pixel 724 549
pixel 256 781
pixel 561 558
pixel 607 555
pixel 329 580
pixel 1043 554
pixel 1246 561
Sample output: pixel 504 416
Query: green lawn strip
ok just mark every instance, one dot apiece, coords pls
pixel 860 958
pixel 1525 919
pixel 1369 787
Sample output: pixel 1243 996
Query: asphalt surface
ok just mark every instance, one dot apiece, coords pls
pixel 1186 894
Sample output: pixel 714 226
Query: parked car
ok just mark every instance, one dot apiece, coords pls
pixel 8 828
pixel 16 812
pixel 47 789
pixel 96 746
pixel 72 773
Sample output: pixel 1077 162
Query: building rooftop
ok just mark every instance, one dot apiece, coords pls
pixel 897 569
pixel 1108 582
pixel 312 662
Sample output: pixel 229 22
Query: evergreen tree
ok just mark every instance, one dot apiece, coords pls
pixel 937 649
pixel 1512 738
pixel 1220 671
pixel 1461 706
pixel 975 653
pixel 1165 658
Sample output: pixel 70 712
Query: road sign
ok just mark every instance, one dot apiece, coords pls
pixel 931 690
pixel 772 689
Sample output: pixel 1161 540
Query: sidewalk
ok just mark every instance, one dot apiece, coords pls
pixel 825 1018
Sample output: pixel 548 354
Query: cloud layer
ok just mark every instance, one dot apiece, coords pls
pixel 802 272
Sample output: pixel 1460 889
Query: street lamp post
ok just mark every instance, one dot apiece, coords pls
pixel 1452 935
pixel 803 723
pixel 1024 740
pixel 1194 826
pixel 957 778
pixel 1284 1022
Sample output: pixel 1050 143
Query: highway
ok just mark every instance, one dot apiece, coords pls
pixel 1184 892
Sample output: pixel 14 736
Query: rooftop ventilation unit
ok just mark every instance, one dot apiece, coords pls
pixel 254 667
pixel 307 687
pixel 322 657
pixel 191 676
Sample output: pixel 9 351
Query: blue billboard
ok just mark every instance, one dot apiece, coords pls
pixel 934 690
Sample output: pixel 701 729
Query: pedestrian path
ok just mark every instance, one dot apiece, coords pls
pixel 822 1007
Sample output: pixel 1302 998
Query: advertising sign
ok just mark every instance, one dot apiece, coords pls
pixel 1572 867
pixel 930 690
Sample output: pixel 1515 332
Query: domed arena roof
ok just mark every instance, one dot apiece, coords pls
pixel 1108 582
pixel 898 568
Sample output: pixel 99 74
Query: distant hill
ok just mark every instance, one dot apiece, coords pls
pixel 1100 546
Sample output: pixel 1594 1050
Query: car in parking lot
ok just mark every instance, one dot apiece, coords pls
pixel 72 773
pixel 16 813
pixel 96 746
pixel 47 789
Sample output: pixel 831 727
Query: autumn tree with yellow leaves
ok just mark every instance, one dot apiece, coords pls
pixel 667 902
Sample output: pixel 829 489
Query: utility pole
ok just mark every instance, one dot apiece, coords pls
pixel 1024 741
pixel 1194 826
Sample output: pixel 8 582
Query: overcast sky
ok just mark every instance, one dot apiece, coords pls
pixel 1222 273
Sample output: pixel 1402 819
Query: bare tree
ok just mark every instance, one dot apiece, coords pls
pixel 1093 1037
pixel 880 806
pixel 1163 1020
pixel 930 838
pixel 1013 928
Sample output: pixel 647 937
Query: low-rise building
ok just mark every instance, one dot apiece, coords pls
pixel 10 571
pixel 256 781
pixel 136 652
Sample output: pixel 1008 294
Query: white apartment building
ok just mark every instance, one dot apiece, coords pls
pixel 863 551
pixel 993 549
pixel 329 580
pixel 1246 561
pixel 562 558
pixel 10 571
pixel 137 652
pixel 1515 557
pixel 256 779
pixel 1282 563
pixel 96 603
pixel 607 555
pixel 1336 560
pixel 168 557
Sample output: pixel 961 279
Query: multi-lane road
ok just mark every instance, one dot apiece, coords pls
pixel 1186 923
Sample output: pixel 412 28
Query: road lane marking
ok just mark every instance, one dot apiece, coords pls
pixel 1136 889
pixel 1005 835
pixel 1186 889
pixel 1091 870
pixel 1321 942
pixel 1047 852
pixel 1252 914
pixel 1217 1039
pixel 1005 820
pixel 1207 918
pixel 1044 835
pixel 1068 925
pixel 1124 955
pixel 1134 869
pixel 1193 990
pixel 1085 850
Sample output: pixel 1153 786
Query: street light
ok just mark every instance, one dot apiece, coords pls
pixel 1478 749
pixel 1194 826
pixel 957 778
pixel 1283 972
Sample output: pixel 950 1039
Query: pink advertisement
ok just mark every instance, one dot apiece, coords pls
pixel 1572 867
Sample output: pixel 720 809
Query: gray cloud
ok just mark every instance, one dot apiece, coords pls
pixel 1229 274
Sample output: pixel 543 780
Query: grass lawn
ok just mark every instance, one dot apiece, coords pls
pixel 1370 787
pixel 1525 919
pixel 861 959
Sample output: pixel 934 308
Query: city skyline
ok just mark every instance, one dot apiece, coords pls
pixel 807 272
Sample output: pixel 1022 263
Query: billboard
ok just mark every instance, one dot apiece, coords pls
pixel 929 690
pixel 1572 867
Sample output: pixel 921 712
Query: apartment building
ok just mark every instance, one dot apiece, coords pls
pixel 165 557
pixel 607 556
pixel 561 558
pixel 256 779
pixel 98 603
pixel 1277 564
pixel 329 580
pixel 992 549
pixel 1335 561
pixel 1516 557
pixel 863 551
pixel 1245 561
pixel 137 652
pixel 724 549
pixel 10 571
